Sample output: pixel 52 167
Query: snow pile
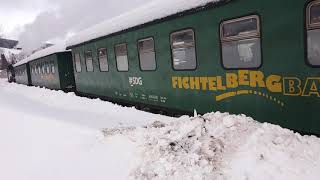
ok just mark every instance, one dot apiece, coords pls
pixel 272 152
pixel 61 47
pixel 223 146
pixel 152 11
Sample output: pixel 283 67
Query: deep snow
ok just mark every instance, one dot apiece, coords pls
pixel 48 134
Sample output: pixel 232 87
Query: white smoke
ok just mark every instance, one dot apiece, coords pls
pixel 63 18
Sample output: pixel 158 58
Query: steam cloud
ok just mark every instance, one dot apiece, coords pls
pixel 67 17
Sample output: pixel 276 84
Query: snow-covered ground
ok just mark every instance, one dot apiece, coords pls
pixel 53 135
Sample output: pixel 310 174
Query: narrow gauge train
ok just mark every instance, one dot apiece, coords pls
pixel 51 68
pixel 253 57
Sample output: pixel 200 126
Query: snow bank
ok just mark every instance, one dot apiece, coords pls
pixel 48 135
pixel 224 146
pixel 42 53
pixel 152 11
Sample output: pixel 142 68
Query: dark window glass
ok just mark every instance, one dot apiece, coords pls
pixel 89 61
pixel 240 28
pixel 241 43
pixel 122 57
pixel 77 62
pixel 147 54
pixel 315 13
pixel 103 59
pixel 183 50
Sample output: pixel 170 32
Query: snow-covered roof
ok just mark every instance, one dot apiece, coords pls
pixel 8 52
pixel 152 11
pixel 42 53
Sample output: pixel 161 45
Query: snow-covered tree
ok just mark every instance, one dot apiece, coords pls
pixel 3 62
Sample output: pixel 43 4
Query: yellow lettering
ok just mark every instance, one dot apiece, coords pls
pixel 180 82
pixel 174 82
pixel 274 83
pixel 212 83
pixel 256 78
pixel 195 83
pixel 312 87
pixel 243 78
pixel 220 86
pixel 204 82
pixel 232 80
pixel 292 86
pixel 185 82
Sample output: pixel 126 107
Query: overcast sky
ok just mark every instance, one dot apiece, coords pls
pixel 34 22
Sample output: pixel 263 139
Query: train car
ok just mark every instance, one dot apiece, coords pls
pixel 254 57
pixel 51 68
pixel 21 74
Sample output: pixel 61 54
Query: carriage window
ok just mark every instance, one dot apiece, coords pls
pixel 147 54
pixel 313 28
pixel 103 59
pixel 48 68
pixel 122 57
pixel 39 69
pixel 42 68
pixel 89 61
pixel 183 50
pixel 241 43
pixel 77 62
pixel 53 70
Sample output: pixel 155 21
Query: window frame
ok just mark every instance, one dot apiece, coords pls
pixel 195 47
pixel 98 57
pixel 42 68
pixel 115 54
pixel 85 59
pixel 52 67
pixel 75 62
pixel 241 38
pixel 154 50
pixel 48 68
pixel 309 25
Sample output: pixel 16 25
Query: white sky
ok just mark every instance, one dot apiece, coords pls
pixel 34 22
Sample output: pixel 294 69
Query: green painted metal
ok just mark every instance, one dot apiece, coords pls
pixel 283 54
pixel 62 78
pixel 22 78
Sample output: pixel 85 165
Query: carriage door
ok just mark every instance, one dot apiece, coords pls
pixel 313 33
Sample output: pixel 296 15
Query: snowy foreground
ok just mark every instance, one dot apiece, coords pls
pixel 56 136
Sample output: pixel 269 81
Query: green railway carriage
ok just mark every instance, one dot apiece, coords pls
pixel 254 57
pixel 54 71
pixel 51 68
pixel 22 74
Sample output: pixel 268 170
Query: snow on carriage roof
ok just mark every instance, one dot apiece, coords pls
pixel 152 11
pixel 42 53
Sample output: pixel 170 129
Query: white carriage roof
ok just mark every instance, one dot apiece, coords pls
pixel 42 53
pixel 152 11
